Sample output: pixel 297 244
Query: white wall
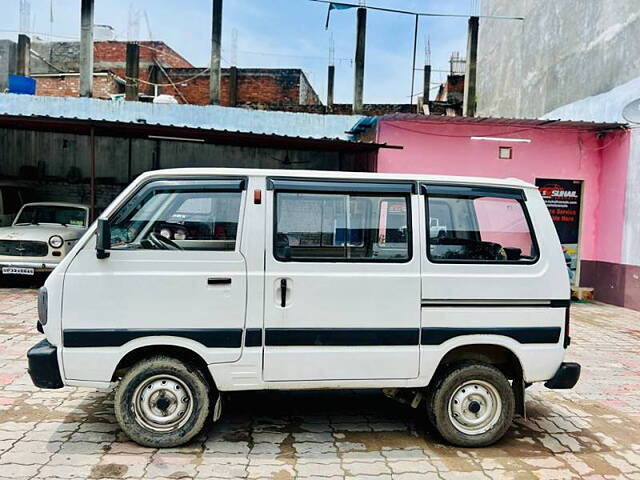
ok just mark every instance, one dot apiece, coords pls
pixel 564 50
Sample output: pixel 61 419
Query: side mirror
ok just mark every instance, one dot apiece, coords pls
pixel 103 238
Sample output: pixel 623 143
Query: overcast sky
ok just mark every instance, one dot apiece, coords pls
pixel 274 33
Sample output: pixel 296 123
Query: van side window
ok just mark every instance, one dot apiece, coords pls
pixel 479 229
pixel 188 220
pixel 342 227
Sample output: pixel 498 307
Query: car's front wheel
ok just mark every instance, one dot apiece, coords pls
pixel 162 402
pixel 472 405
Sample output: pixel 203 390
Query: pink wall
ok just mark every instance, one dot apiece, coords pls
pixel 435 147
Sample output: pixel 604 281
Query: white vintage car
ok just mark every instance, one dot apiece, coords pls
pixel 40 236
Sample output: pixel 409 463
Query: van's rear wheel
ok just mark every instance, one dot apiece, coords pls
pixel 162 402
pixel 472 405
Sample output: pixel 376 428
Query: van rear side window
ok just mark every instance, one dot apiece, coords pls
pixel 479 229
pixel 342 227
pixel 178 220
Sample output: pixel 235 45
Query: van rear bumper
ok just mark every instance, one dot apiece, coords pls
pixel 43 365
pixel 566 376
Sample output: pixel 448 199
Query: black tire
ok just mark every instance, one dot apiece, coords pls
pixel 150 373
pixel 484 381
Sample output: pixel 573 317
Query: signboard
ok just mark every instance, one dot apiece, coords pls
pixel 563 199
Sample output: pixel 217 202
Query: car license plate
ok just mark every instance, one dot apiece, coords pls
pixel 17 271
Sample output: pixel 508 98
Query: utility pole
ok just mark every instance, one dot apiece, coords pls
pixel 361 34
pixel 469 103
pixel 427 84
pixel 331 72
pixel 216 38
pixel 132 72
pixel 426 88
pixel 331 75
pixel 413 61
pixel 86 49
pixel 233 86
pixel 24 55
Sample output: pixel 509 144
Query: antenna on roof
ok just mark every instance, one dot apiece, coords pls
pixel 148 23
pixel 234 48
pixel 25 16
pixel 332 50
pixel 51 20
pixel 474 7
pixel 133 27
pixel 427 50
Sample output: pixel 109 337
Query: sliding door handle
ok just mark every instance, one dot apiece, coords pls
pixel 218 281
pixel 283 292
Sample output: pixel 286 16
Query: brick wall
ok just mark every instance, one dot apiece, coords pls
pixel 452 90
pixel 308 95
pixel 110 55
pixel 255 86
pixel 69 86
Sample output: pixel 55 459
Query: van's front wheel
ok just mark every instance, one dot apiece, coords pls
pixel 472 405
pixel 162 402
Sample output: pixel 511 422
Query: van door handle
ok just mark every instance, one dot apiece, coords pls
pixel 218 281
pixel 283 292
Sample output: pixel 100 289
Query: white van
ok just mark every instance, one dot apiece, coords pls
pixel 449 293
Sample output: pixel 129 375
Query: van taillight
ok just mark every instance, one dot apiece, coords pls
pixel 567 318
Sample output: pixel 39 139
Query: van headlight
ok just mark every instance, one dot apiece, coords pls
pixel 42 305
pixel 56 241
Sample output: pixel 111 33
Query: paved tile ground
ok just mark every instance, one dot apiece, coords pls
pixel 592 431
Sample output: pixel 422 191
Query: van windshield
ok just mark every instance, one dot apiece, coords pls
pixel 37 214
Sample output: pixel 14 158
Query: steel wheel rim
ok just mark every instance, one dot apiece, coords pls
pixel 162 403
pixel 475 407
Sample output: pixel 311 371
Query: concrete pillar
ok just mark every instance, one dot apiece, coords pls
pixel 24 55
pixel 233 86
pixel 470 101
pixel 132 72
pixel 86 49
pixel 7 63
pixel 216 38
pixel 361 34
pixel 331 76
pixel 427 84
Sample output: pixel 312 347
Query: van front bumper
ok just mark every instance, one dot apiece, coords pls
pixel 43 365
pixel 566 376
pixel 39 267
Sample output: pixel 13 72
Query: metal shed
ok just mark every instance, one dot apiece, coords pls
pixel 87 150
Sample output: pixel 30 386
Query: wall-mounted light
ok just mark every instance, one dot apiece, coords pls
pixel 503 139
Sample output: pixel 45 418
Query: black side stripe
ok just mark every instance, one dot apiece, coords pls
pixel 525 335
pixel 253 337
pixel 280 337
pixel 209 337
pixel 276 337
pixel 497 304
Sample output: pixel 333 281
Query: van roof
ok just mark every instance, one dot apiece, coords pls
pixel 254 172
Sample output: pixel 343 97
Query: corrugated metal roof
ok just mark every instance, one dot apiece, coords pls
pixel 211 117
pixel 512 122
